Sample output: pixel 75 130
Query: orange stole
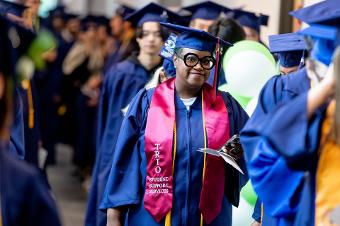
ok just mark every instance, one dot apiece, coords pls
pixel 328 172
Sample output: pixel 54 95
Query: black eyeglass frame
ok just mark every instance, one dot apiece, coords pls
pixel 184 58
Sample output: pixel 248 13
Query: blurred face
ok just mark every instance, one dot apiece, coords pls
pixel 287 70
pixel 58 23
pixel 191 77
pixel 34 6
pixel 151 40
pixel 102 33
pixel 73 25
pixel 117 25
pixel 201 24
pixel 251 34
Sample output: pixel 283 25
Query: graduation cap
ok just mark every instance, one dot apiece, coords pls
pixel 325 13
pixel 124 11
pixel 167 52
pixel 199 40
pixel 94 20
pixel 290 48
pixel 324 21
pixel 59 11
pixel 11 7
pixel 153 13
pixel 249 19
pixel 206 10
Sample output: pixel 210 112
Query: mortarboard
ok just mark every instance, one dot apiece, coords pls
pixel 58 11
pixel 11 7
pixel 289 48
pixel 249 19
pixel 199 40
pixel 206 10
pixel 153 13
pixel 124 11
pixel 324 21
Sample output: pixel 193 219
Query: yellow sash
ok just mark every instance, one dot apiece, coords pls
pixel 328 173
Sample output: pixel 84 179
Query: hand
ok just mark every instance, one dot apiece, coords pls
pixel 114 217
pixel 255 223
pixel 233 147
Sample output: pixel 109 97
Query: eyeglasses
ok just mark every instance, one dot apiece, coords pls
pixel 191 60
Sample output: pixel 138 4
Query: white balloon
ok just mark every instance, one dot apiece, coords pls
pixel 242 216
pixel 247 71
pixel 252 105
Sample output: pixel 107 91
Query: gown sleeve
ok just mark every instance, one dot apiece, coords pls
pixel 237 119
pixel 275 139
pixel 124 183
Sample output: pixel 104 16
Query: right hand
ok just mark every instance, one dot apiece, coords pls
pixel 114 217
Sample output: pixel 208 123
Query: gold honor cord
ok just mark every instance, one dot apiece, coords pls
pixel 168 216
pixel 0 213
pixel 26 85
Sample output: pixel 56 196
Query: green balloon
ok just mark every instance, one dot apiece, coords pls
pixel 41 44
pixel 243 101
pixel 249 194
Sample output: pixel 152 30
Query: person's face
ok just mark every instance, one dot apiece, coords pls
pixel 201 24
pixel 151 40
pixel 191 77
pixel 102 33
pixel 73 25
pixel 34 6
pixel 117 26
pixel 251 34
pixel 287 70
pixel 58 23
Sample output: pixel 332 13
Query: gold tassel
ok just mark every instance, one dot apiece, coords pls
pixel 26 84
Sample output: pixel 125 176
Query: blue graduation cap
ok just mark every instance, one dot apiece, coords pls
pixel 206 10
pixel 124 11
pixel 11 7
pixel 153 13
pixel 195 39
pixel 58 11
pixel 324 21
pixel 290 48
pixel 249 19
pixel 325 13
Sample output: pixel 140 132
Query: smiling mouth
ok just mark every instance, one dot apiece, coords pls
pixel 193 73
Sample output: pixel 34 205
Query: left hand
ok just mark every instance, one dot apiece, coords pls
pixel 233 147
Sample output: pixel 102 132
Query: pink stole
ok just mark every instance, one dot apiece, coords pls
pixel 159 139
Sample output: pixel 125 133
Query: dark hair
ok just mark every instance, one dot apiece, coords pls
pixel 164 32
pixel 227 29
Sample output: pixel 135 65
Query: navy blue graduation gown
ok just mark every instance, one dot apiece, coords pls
pixel 17 139
pixel 126 184
pixel 25 198
pixel 280 145
pixel 32 135
pixel 121 84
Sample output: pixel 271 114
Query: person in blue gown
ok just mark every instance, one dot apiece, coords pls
pixel 291 50
pixel 281 138
pixel 24 196
pixel 121 84
pixel 127 183
pixel 13 12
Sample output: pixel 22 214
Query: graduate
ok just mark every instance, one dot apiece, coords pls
pixel 157 176
pixel 121 84
pixel 290 49
pixel 283 136
pixel 204 14
pixel 13 12
pixel 251 23
pixel 24 196
pixel 124 37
